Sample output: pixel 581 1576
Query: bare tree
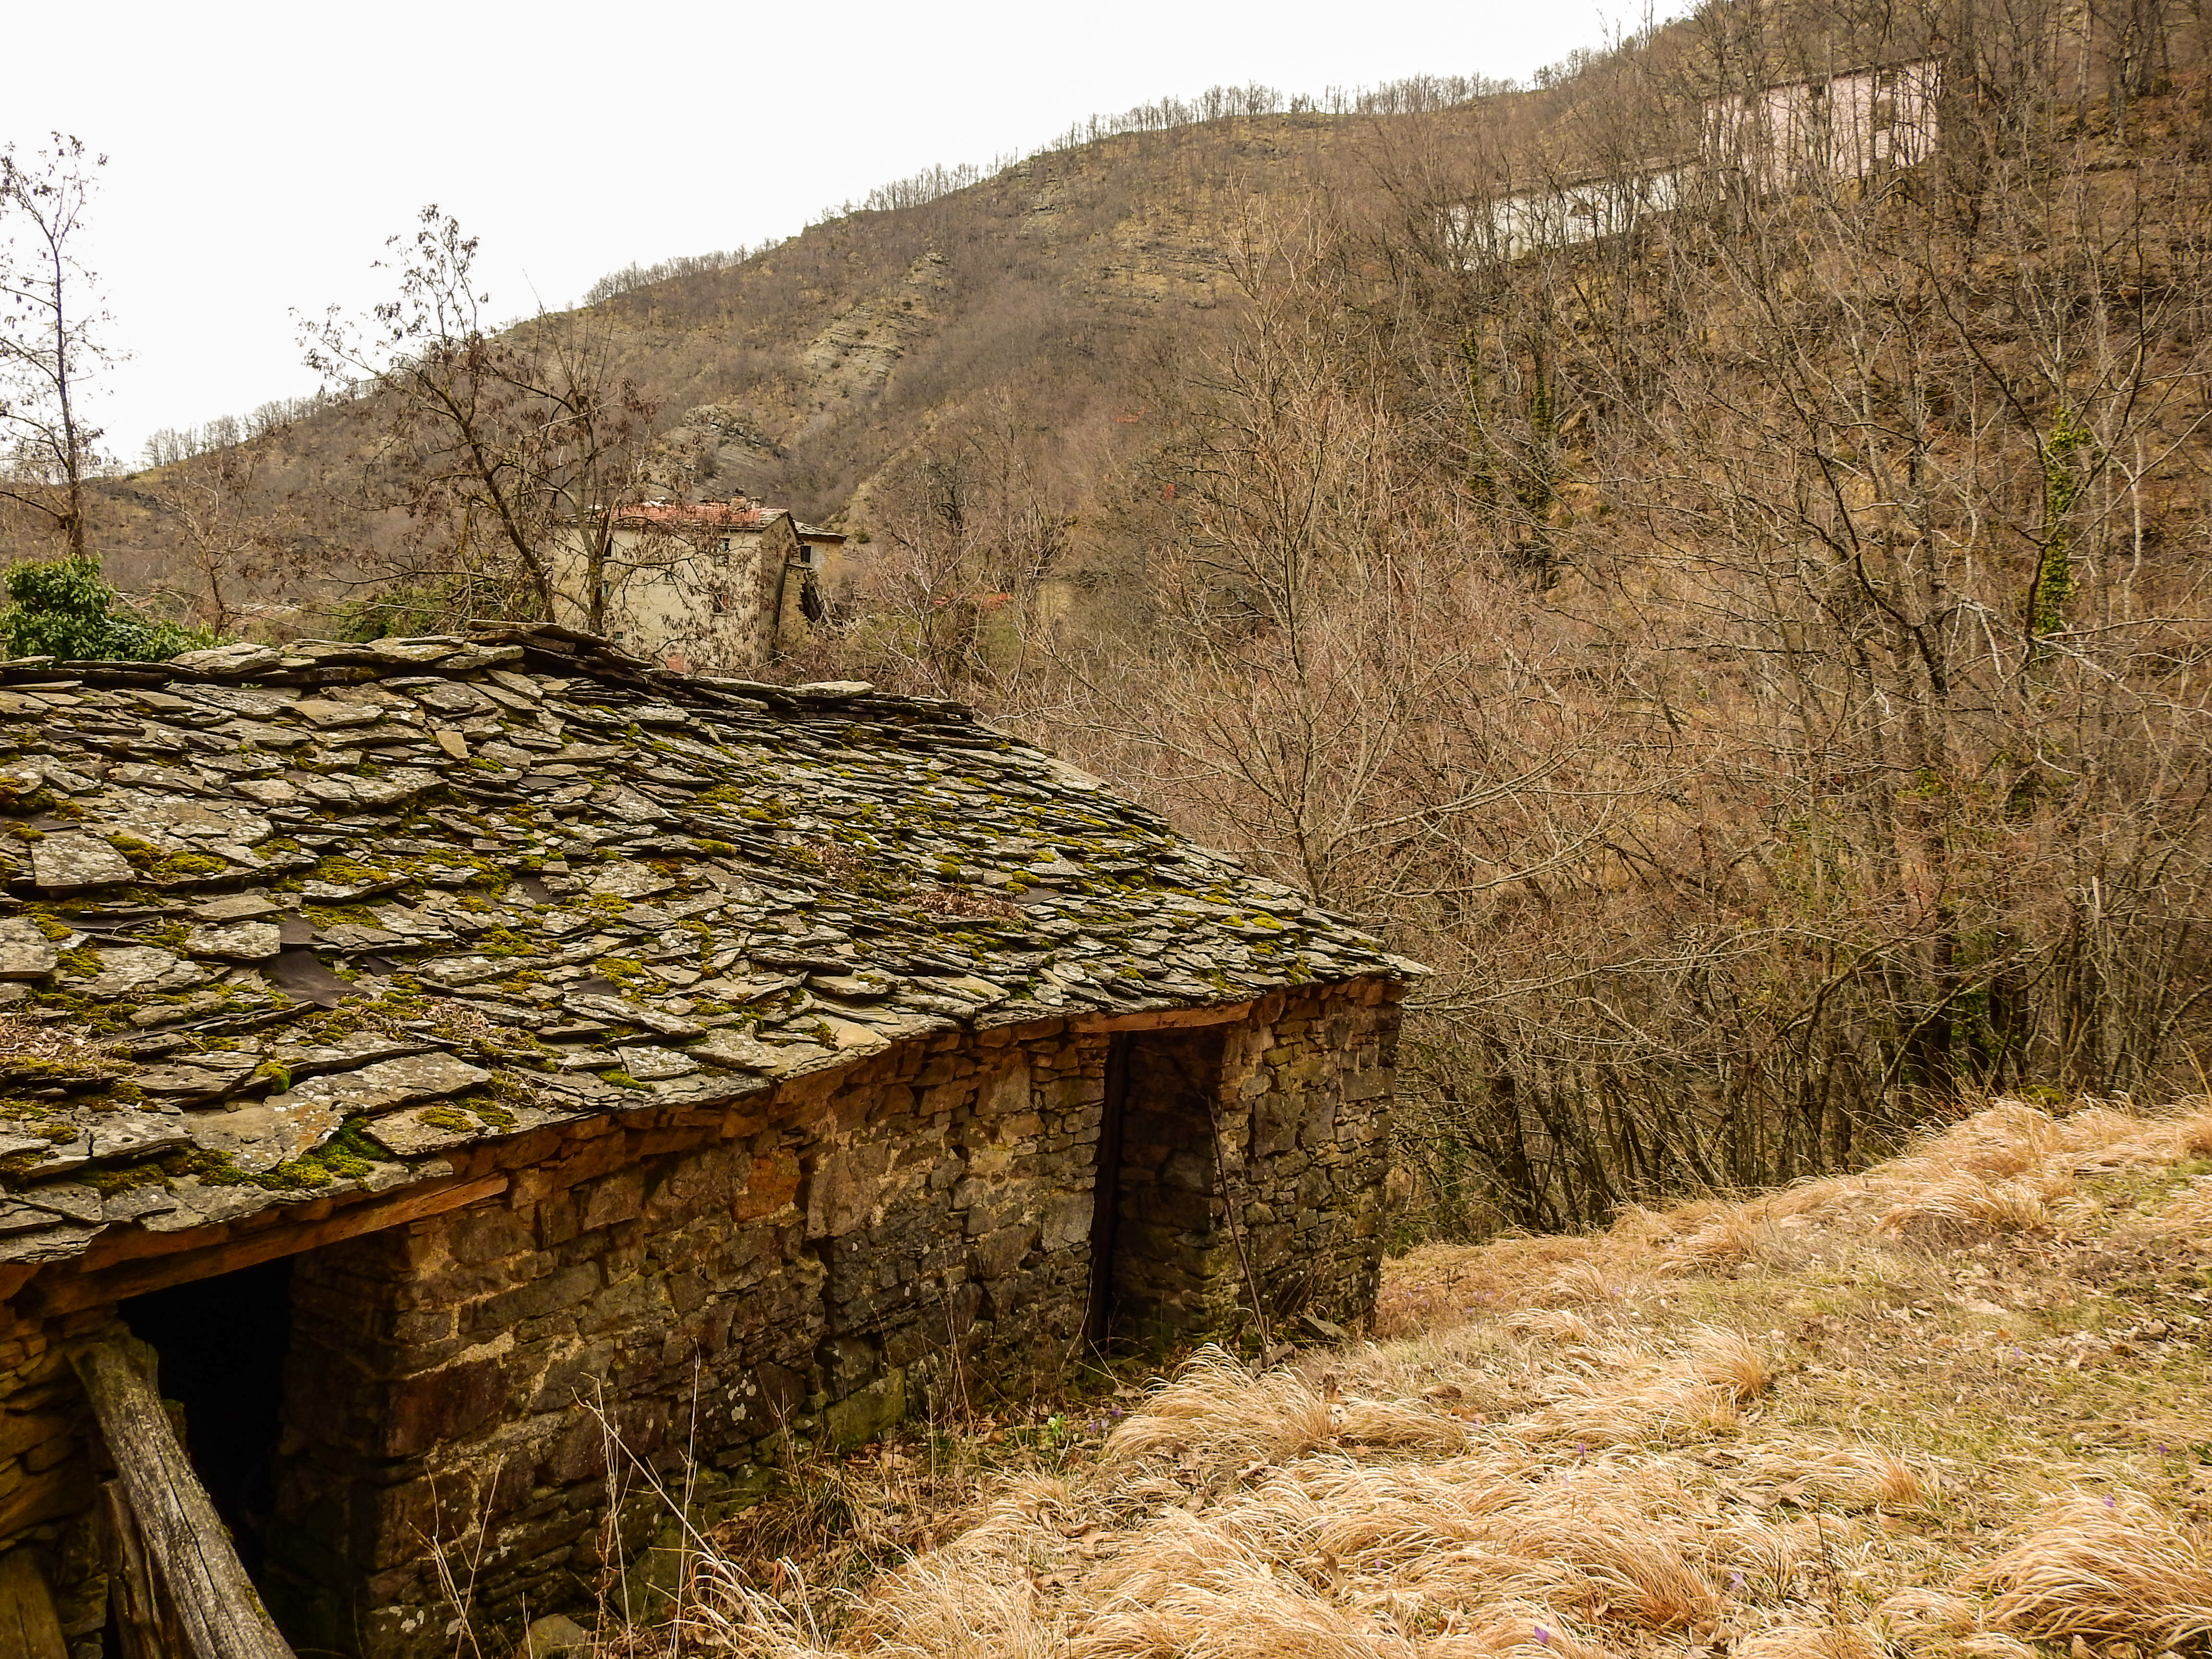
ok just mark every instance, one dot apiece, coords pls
pixel 970 534
pixel 233 531
pixel 1870 481
pixel 507 449
pixel 49 323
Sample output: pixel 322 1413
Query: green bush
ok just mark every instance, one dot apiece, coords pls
pixel 62 608
pixel 403 610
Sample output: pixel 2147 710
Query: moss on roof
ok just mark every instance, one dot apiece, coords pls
pixel 277 919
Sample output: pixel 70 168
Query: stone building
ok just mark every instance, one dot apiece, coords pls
pixel 722 584
pixel 483 1071
pixel 1859 123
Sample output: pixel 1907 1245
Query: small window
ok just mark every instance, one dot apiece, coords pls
pixel 804 557
pixel 726 543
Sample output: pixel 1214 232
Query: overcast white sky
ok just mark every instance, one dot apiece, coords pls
pixel 260 153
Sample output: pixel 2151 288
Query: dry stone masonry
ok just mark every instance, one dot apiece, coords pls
pixel 494 1074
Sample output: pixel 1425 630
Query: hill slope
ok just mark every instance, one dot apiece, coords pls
pixel 1956 1405
pixel 1053 284
pixel 1041 302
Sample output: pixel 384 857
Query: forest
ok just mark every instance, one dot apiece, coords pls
pixel 1755 656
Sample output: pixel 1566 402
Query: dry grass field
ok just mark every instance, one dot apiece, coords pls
pixel 1956 1405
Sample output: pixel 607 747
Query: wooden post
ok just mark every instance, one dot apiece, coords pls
pixel 27 1625
pixel 143 1625
pixel 208 1590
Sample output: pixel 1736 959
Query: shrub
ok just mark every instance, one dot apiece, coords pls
pixel 62 608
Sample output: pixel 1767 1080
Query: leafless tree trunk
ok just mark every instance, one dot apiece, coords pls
pixel 231 536
pixel 50 321
pixel 508 450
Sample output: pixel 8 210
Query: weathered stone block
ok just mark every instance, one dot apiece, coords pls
pixel 848 1362
pixel 870 1412
pixel 996 1254
pixel 485 1233
pixel 563 1288
pixel 627 1305
pixel 772 1184
pixel 847 1184
pixel 1067 1221
pixel 708 1180
pixel 1361 1087
pixel 442 1407
pixel 614 1198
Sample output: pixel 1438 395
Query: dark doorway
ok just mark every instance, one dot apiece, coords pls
pixel 220 1343
pixel 1157 1239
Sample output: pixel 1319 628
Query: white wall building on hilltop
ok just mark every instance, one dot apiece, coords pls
pixel 1783 137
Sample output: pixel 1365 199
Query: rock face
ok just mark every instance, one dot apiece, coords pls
pixel 689 1033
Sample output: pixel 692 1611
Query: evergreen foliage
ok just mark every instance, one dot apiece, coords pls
pixel 62 608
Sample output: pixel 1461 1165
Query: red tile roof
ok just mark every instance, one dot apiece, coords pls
pixel 738 514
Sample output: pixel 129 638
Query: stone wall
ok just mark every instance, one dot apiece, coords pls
pixel 681 1290
pixel 1306 1091
pixel 1254 1149
pixel 47 1480
pixel 678 593
pixel 665 1295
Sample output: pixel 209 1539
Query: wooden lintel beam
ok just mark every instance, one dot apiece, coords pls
pixel 1163 1019
pixel 62 1290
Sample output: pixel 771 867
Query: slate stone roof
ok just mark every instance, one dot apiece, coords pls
pixel 278 920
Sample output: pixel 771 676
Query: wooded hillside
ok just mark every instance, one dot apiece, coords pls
pixel 1754 650
pixel 1755 654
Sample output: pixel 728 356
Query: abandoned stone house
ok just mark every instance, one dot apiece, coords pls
pixel 727 584
pixel 1861 123
pixel 480 1071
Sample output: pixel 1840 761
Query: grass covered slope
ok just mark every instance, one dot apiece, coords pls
pixel 1955 1406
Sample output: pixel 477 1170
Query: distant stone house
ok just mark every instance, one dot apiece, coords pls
pixel 728 584
pixel 476 1071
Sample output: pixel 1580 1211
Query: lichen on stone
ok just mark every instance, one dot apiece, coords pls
pixel 795 877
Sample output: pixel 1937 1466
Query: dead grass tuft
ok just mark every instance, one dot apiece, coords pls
pixel 1734 1236
pixel 1519 1630
pixel 1958 1208
pixel 2193 1133
pixel 1920 1612
pixel 1810 1642
pixel 2101 1567
pixel 1555 1324
pixel 1625 1395
pixel 1217 1409
pixel 1727 1361
pixel 961 901
pixel 1857 1477
pixel 1411 1425
pixel 49 1048
pixel 1587 1281
pixel 956 1614
pixel 1234 1607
